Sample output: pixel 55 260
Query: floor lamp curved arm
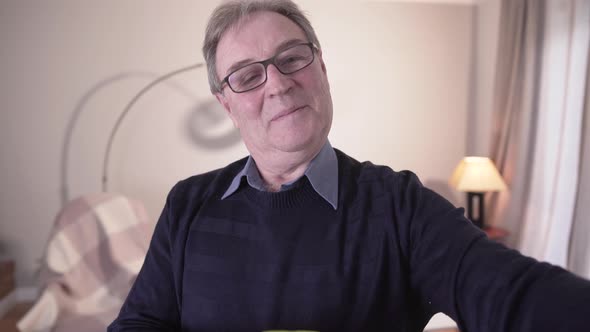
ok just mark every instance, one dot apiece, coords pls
pixel 126 110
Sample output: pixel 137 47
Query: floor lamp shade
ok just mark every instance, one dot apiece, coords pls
pixel 476 175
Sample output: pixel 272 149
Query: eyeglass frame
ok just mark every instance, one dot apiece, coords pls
pixel 265 64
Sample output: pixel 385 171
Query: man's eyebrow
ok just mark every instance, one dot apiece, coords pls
pixel 288 43
pixel 282 46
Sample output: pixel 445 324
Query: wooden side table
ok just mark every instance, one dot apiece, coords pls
pixel 6 277
pixel 8 322
pixel 496 233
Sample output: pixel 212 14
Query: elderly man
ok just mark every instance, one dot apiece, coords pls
pixel 301 236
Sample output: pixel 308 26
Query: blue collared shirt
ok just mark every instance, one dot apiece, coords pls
pixel 322 173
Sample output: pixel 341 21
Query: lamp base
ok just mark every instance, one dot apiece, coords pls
pixel 475 209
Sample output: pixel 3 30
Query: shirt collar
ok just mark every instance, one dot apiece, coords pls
pixel 322 173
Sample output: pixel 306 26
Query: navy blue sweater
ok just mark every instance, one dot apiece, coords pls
pixel 390 256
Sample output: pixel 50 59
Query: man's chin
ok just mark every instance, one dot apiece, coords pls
pixel 298 143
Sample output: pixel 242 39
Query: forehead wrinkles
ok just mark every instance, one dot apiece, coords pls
pixel 225 47
pixel 258 45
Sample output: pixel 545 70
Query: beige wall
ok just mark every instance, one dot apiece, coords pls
pixel 486 25
pixel 399 72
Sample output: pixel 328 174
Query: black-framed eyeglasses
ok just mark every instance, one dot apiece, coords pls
pixel 287 61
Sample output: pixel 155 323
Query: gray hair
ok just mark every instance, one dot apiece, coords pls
pixel 230 13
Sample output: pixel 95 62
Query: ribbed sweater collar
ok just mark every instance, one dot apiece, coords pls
pixel 299 196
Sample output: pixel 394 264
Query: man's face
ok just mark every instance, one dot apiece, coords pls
pixel 288 113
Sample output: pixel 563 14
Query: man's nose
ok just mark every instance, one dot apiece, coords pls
pixel 277 83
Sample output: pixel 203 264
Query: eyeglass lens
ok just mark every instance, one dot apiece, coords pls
pixel 287 62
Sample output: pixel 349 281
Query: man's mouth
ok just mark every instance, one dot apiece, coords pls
pixel 286 112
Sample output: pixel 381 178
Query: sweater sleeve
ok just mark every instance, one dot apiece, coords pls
pixel 481 284
pixel 153 302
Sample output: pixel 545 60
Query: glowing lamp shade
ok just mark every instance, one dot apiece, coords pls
pixel 476 175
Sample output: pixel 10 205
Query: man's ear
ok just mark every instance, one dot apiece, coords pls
pixel 223 101
pixel 322 64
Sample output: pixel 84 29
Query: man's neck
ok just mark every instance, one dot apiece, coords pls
pixel 279 168
pixel 274 178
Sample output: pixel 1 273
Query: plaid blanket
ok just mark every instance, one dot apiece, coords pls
pixel 92 258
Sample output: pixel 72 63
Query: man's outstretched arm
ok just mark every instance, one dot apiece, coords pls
pixel 481 284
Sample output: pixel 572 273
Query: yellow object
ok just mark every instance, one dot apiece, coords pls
pixel 477 174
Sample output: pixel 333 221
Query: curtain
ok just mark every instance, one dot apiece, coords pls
pixel 540 96
pixel 579 256
pixel 515 108
pixel 550 208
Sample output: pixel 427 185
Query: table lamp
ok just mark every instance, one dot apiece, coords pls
pixel 476 176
